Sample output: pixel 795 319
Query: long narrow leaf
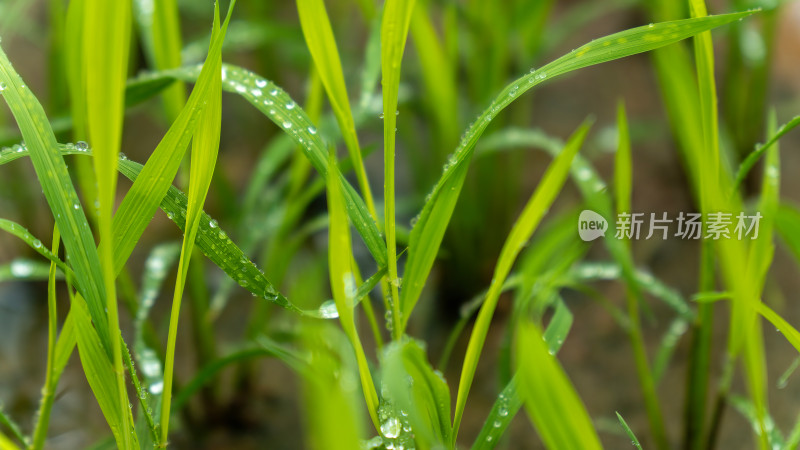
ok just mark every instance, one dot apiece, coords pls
pixel 553 405
pixel 281 109
pixel 205 148
pixel 59 192
pixel 343 284
pixel 427 234
pixel 523 228
pixel 143 198
pixel 394 32
pixel 322 45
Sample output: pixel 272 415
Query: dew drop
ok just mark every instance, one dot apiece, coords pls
pixel 2 86
pixel 212 223
pixel 291 105
pixel 21 269
pixel 328 310
pixel 312 130
pixel 273 92
pixel 256 92
pixel 287 124
pixel 240 88
pixel 82 146
pixel 156 388
pixel 261 83
pixel 391 428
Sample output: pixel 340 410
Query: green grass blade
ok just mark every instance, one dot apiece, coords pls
pixel 205 148
pixel 343 284
pixel 793 440
pixel 623 184
pixel 558 328
pixel 427 234
pixel 510 138
pixel 6 443
pixel 332 419
pixel 276 105
pixel 438 75
pixel 266 348
pixel 552 403
pixel 156 269
pixel 15 430
pixel 526 224
pixel 623 167
pixel 427 401
pixel 76 68
pixel 214 242
pixel 787 222
pixel 595 271
pixel 783 380
pixel 756 154
pixel 58 191
pixel 65 345
pixel 509 402
pixel 536 274
pixel 51 376
pixel 704 55
pixel 142 200
pixel 746 409
pixel 322 45
pixel 714 183
pixel 669 341
pixel 147 431
pixel 160 31
pixel 787 330
pixel 762 250
pixel 371 72
pixel 629 432
pixel 100 374
pixel 25 269
pixel 503 411
pixel 394 32
pixel 105 51
pixel 26 236
pixel 211 239
pixel 623 187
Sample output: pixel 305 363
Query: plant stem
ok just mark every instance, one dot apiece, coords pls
pixel 51 378
pixel 645 374
pixel 699 358
pixel 721 401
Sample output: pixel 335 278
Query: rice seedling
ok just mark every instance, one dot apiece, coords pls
pixel 325 256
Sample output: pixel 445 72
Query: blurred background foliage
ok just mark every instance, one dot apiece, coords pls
pixel 460 55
